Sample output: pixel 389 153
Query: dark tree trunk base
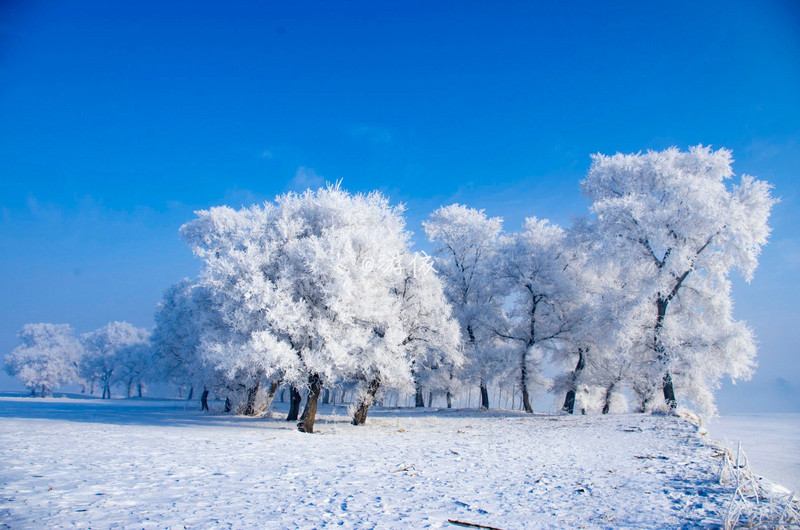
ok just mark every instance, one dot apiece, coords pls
pixel 204 400
pixel 250 405
pixel 360 416
pixel 273 388
pixel 669 392
pixel 569 402
pixel 294 404
pixel 526 402
pixel 484 397
pixel 607 399
pixel 306 423
pixel 419 399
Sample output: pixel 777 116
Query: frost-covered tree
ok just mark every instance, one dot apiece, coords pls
pixel 422 332
pixel 47 357
pixel 106 349
pixel 135 367
pixel 592 350
pixel 678 230
pixel 305 287
pixel 466 241
pixel 184 311
pixel 250 338
pixel 533 264
pixel 254 335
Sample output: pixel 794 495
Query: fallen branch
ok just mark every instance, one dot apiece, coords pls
pixel 471 525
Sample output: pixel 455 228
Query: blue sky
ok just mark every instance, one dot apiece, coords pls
pixel 118 119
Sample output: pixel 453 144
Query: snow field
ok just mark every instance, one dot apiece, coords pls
pixel 155 464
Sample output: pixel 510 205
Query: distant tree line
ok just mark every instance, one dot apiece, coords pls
pixel 630 306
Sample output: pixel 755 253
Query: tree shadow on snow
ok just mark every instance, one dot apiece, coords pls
pixel 177 412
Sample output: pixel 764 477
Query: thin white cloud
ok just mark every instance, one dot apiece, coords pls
pixel 241 197
pixel 305 178
pixel 769 148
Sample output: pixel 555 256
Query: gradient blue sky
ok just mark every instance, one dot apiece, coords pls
pixel 118 119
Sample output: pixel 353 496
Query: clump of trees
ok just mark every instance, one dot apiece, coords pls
pixel 50 355
pixel 116 353
pixel 318 289
pixel 322 291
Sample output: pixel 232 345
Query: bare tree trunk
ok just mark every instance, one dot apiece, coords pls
pixel 526 403
pixel 484 396
pixel 92 389
pixel 419 398
pixel 204 400
pixel 228 404
pixel 430 399
pixel 645 394
pixel 360 415
pixel 607 398
pixel 662 354
pixel 294 403
pixel 273 387
pixel 569 401
pixel 191 393
pixel 83 388
pixel 326 396
pixel 130 389
pixel 306 423
pixel 669 392
pixel 250 404
pixel 449 396
pixel 139 389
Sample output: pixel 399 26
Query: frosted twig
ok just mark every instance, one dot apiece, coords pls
pixel 751 505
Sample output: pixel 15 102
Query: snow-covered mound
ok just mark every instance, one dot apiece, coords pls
pixel 156 464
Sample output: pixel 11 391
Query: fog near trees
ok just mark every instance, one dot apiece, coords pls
pixel 321 294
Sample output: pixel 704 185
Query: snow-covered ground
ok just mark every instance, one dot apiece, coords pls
pixel 157 463
pixel 770 441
